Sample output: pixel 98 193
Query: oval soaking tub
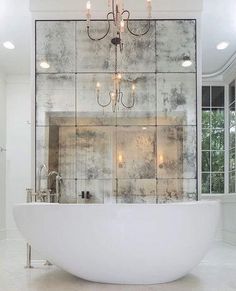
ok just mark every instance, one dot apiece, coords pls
pixel 121 243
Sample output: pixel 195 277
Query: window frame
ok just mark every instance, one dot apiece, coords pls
pixel 225 128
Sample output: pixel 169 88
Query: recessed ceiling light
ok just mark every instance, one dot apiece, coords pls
pixel 44 65
pixel 222 45
pixel 9 45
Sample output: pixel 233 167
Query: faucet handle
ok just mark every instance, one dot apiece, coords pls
pixel 29 192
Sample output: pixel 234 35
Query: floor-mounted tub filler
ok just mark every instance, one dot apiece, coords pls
pixel 121 243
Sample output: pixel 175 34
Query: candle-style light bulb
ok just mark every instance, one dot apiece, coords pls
pixel 88 7
pixel 98 86
pixel 119 76
pixel 120 158
pixel 149 7
pixel 161 159
pixel 133 87
pixel 122 25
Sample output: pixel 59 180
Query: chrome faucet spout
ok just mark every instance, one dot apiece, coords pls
pixel 43 166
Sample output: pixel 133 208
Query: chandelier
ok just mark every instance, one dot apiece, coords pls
pixel 118 16
pixel 116 96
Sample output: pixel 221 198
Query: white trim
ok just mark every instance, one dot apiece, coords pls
pixel 2 234
pixel 13 234
pixel 199 104
pixel 223 69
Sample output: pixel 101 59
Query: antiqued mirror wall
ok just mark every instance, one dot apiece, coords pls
pixel 146 154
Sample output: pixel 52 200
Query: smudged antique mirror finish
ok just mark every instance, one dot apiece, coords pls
pixel 143 155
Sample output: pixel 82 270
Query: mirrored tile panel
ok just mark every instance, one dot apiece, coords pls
pixel 55 99
pixel 94 56
pixel 136 152
pixel 55 46
pixel 176 152
pixel 55 148
pixel 174 40
pixel 136 191
pixel 95 152
pixel 96 191
pixel 176 99
pixel 138 53
pixel 174 190
pixel 68 191
pixel 89 112
pixel 144 96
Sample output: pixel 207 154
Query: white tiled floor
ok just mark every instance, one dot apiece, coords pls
pixel 217 272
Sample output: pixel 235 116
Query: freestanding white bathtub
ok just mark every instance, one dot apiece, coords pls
pixel 121 243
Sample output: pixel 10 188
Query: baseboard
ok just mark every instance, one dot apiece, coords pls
pixel 229 237
pixel 2 234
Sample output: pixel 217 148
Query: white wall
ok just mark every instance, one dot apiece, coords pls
pixel 229 219
pixel 2 157
pixel 75 5
pixel 18 170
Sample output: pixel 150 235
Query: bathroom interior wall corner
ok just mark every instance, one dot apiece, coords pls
pixel 18 144
pixel 2 157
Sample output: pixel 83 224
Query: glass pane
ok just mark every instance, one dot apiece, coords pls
pixel 55 45
pixel 89 112
pixel 206 161
pixel 232 182
pixel 169 190
pixel 217 96
pixel 55 99
pixel 93 56
pixel 176 99
pixel 217 139
pixel 232 92
pixel 217 118
pixel 206 183
pixel 138 53
pixel 174 40
pixel 232 137
pixel 206 139
pixel 96 191
pixel 232 114
pixel 217 183
pixel 136 191
pixel 68 191
pixel 206 96
pixel 144 110
pixel 94 148
pixel 136 152
pixel 176 151
pixel 232 159
pixel 206 116
pixel 217 161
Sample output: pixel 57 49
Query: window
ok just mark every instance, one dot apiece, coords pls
pixel 213 145
pixel 232 137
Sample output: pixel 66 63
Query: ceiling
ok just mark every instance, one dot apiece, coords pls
pixel 218 24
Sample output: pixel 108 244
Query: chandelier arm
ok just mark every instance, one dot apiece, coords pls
pixel 127 106
pixel 103 105
pixel 108 29
pixel 133 33
pixel 141 34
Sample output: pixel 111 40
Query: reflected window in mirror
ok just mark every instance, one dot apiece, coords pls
pixel 231 135
pixel 213 140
